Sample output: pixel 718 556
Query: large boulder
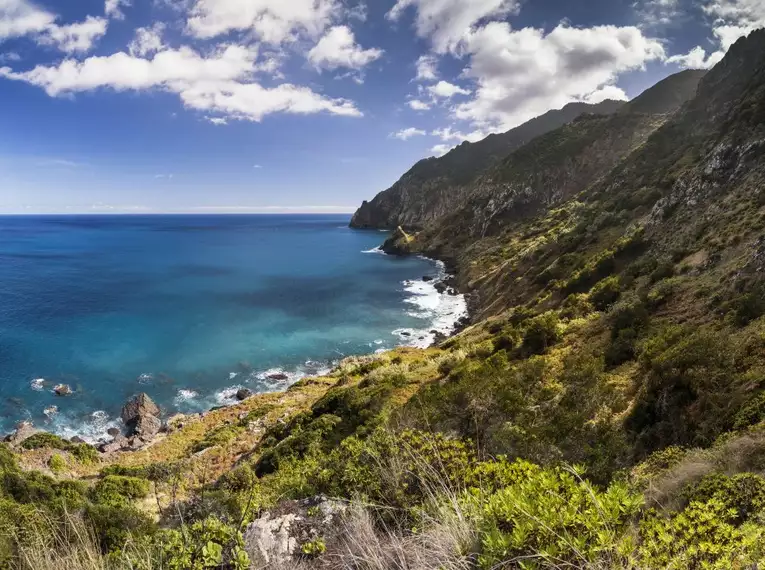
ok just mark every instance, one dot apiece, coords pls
pixel 243 393
pixel 141 416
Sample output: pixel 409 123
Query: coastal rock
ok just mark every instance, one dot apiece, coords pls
pixel 113 431
pixel 428 278
pixel 62 389
pixel 243 393
pixel 141 416
pixel 275 538
pixel 399 243
pixel 175 422
pixel 77 439
pixel 118 443
pixel 279 376
pixel 24 430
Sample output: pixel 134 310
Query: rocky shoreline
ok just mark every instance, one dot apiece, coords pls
pixel 142 419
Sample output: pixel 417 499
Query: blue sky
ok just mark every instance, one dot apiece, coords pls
pixel 304 105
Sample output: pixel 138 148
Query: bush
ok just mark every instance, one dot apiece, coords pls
pixel 753 412
pixel 221 436
pixel 541 333
pixel 204 544
pixel 664 270
pixel 119 490
pixel 575 306
pixel 57 463
pixel 605 293
pixel 47 440
pixel 555 519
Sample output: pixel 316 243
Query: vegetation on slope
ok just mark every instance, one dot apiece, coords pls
pixel 606 410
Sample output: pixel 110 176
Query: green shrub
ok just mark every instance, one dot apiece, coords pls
pixel 703 535
pixel 664 270
pixel 751 413
pixel 541 333
pixel 221 436
pixel 552 518
pixel 575 306
pixel 605 293
pixel 203 545
pixel 47 440
pixel 84 453
pixel 118 490
pixel 57 463
pixel 743 493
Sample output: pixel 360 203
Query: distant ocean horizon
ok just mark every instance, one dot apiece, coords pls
pixel 191 307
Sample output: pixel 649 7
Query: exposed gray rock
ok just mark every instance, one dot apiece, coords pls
pixel 141 417
pixel 113 431
pixel 268 540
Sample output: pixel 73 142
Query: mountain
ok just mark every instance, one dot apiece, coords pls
pixel 429 187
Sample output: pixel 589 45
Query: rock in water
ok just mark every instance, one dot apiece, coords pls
pixel 62 389
pixel 243 393
pixel 280 376
pixel 141 416
pixel 113 431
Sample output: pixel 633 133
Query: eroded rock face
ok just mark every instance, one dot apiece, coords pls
pixel 243 393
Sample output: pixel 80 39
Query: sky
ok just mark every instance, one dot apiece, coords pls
pixel 220 106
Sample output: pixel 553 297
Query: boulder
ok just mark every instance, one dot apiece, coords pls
pixel 63 389
pixel 427 278
pixel 147 427
pixel 24 430
pixel 269 542
pixel 113 431
pixel 243 393
pixel 141 416
pixel 280 376
pixel 119 442
pixel 77 439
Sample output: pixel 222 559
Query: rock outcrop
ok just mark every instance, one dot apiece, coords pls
pixel 24 430
pixel 141 417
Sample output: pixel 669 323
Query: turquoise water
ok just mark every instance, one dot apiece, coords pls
pixel 188 308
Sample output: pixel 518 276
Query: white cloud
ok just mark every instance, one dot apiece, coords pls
pixel 658 12
pixel 406 134
pixel 523 73
pixel 697 59
pixel 77 37
pixel 217 121
pixel 218 84
pixel 272 21
pixel 427 68
pixel 20 18
pixel 147 40
pixel 338 48
pixel 447 134
pixel 113 8
pixel 9 56
pixel 611 92
pixel 441 149
pixel 446 22
pixel 258 166
pixel 732 19
pixel 447 90
pixel 417 105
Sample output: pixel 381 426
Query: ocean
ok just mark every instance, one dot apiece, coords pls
pixel 190 308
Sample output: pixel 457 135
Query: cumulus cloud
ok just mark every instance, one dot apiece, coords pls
pixel 406 134
pixel 447 134
pixel 77 37
pixel 147 40
pixel 697 58
pixel 113 8
pixel 338 48
pixel 218 84
pixel 611 92
pixel 441 149
pixel 217 121
pixel 523 73
pixel 445 22
pixel 272 21
pixel 427 68
pixel 417 105
pixel 20 18
pixel 446 90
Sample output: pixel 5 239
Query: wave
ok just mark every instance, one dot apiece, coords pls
pixel 92 428
pixel 376 250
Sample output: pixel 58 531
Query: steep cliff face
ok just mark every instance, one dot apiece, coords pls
pixel 556 166
pixel 434 185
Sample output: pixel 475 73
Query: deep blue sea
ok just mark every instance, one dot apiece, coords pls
pixel 188 308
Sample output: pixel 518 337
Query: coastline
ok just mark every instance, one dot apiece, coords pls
pixel 432 295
